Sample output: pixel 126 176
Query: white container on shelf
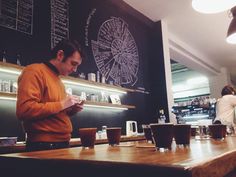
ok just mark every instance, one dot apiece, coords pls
pixel 103 80
pixel 98 76
pixel 69 91
pixel 92 77
pixel 6 86
pixel 1 85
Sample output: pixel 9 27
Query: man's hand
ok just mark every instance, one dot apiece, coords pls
pixel 71 100
pixel 78 106
pixel 75 108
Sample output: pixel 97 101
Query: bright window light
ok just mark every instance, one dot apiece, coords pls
pixel 197 80
pixel 179 87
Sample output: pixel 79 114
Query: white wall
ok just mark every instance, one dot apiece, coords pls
pixel 190 57
pixel 166 51
pixel 217 82
pixel 177 50
pixel 217 76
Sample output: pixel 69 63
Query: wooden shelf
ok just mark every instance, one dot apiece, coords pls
pixel 10 68
pixel 16 69
pixel 8 95
pixel 87 83
pixel 12 96
pixel 103 104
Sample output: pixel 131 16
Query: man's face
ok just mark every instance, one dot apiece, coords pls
pixel 70 64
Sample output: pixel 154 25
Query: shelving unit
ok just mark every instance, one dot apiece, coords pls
pixel 12 96
pixel 96 85
pixel 7 96
pixel 193 113
pixel 10 69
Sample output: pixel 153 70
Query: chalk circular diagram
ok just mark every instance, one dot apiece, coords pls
pixel 116 53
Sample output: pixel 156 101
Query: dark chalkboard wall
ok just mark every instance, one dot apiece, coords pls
pixel 17 15
pixel 32 48
pixel 84 26
pixel 86 21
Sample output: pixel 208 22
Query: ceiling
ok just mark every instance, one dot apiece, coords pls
pixel 201 36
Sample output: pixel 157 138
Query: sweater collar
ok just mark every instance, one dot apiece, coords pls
pixel 52 67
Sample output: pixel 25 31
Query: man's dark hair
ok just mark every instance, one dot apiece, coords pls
pixel 228 90
pixel 68 47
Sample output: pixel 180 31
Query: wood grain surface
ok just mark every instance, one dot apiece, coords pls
pixel 206 158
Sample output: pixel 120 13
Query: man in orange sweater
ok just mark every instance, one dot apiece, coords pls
pixel 42 103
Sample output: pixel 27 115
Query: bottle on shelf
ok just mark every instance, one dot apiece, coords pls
pixel 18 59
pixel 104 132
pixel 6 86
pixel 82 75
pixel 4 58
pixel 1 85
pixel 98 76
pixel 102 96
pixel 99 134
pixel 14 87
pixel 162 117
pixel 103 80
pixel 83 96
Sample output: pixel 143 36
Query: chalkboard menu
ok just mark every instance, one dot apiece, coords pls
pixel 59 21
pixel 17 15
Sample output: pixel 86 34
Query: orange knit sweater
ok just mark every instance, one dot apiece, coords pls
pixel 40 91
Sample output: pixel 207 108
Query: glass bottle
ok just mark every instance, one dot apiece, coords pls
pixel 103 80
pixel 162 117
pixel 98 76
pixel 104 132
pixel 4 59
pixel 18 59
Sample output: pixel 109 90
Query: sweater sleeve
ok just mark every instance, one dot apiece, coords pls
pixel 30 91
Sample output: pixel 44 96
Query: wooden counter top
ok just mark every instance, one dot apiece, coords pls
pixel 206 158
